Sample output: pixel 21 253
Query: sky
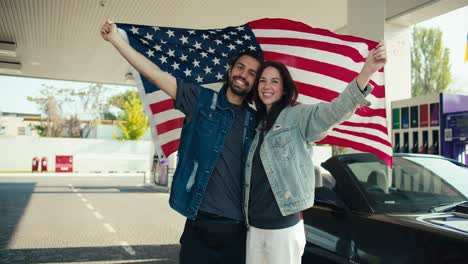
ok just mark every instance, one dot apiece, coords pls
pixel 453 25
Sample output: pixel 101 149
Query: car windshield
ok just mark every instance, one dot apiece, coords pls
pixel 416 184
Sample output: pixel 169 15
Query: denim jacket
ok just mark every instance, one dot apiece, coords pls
pixel 284 153
pixel 201 143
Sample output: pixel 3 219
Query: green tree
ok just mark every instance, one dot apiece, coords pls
pixel 135 121
pixel 118 102
pixel 40 128
pixel 430 63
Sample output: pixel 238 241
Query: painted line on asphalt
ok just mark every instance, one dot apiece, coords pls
pixel 109 228
pixel 127 248
pixel 98 215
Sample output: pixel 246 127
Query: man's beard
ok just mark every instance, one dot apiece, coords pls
pixel 237 91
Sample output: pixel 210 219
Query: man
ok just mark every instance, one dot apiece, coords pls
pixel 217 132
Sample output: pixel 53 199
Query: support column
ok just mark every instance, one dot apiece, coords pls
pixel 366 18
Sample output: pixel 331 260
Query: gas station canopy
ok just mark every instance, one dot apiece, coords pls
pixel 57 39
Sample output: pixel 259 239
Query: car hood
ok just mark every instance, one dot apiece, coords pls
pixel 454 222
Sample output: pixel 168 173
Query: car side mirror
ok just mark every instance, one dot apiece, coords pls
pixel 326 197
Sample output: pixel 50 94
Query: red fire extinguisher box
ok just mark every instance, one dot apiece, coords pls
pixel 44 164
pixel 63 163
pixel 35 164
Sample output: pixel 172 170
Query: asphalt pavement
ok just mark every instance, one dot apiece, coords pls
pixel 88 219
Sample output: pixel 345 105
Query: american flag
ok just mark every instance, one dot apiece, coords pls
pixel 321 62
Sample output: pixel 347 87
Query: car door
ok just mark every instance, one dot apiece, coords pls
pixel 378 238
pixel 327 227
pixel 339 209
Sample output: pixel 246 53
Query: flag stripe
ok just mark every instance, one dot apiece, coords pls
pixel 319 93
pixel 359 140
pixel 157 96
pixel 292 33
pixel 169 125
pixel 167 115
pixel 332 49
pixel 365 111
pixel 162 106
pixel 170 147
pixel 170 135
pixel 383 129
pixel 333 140
pixel 364 135
pixel 382 135
pixel 287 25
pixel 374 121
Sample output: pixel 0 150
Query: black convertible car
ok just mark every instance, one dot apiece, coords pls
pixel 365 212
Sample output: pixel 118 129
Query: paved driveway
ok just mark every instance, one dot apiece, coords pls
pixel 70 219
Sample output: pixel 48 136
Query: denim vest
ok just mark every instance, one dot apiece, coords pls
pixel 201 143
pixel 284 153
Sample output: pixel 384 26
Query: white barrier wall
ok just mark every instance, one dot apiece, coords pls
pixel 89 155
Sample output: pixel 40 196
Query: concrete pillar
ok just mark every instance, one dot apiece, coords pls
pixel 398 68
pixel 366 18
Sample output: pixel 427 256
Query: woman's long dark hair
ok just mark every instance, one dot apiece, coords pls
pixel 289 96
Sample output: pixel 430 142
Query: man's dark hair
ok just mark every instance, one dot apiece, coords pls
pixel 257 56
pixel 289 96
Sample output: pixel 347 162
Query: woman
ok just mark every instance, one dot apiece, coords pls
pixel 279 170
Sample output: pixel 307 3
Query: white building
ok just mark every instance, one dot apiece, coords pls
pixel 14 124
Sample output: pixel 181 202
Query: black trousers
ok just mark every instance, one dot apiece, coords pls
pixel 212 240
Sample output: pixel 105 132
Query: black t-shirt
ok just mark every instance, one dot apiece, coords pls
pixel 223 194
pixel 263 210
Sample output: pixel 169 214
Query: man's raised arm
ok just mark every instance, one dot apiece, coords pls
pixel 144 66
